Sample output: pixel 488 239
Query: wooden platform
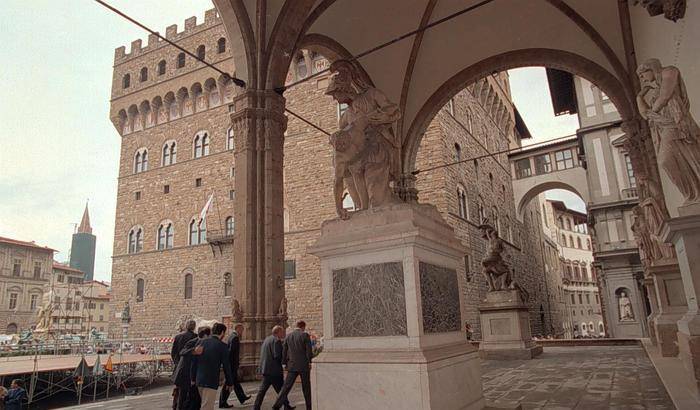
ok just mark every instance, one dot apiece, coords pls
pixel 18 365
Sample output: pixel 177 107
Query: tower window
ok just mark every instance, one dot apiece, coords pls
pixel 188 286
pixel 144 74
pixel 135 239
pixel 140 285
pixel 161 67
pixel 221 45
pixel 180 60
pixel 201 52
pixel 230 226
pixel 126 81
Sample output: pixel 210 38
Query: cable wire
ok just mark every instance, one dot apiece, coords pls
pixel 226 75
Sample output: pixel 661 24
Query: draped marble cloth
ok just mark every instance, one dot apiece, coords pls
pixel 381 145
pixel 676 137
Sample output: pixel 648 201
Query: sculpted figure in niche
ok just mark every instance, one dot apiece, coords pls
pixel 126 313
pixel 366 150
pixel 663 102
pixel 625 306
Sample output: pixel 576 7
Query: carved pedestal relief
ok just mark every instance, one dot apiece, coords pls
pixel 369 300
pixel 439 299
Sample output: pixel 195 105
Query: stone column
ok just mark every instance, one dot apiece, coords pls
pixel 684 233
pixel 259 123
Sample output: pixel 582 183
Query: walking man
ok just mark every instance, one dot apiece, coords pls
pixel 296 355
pixel 234 355
pixel 178 344
pixel 188 396
pixel 271 366
pixel 204 372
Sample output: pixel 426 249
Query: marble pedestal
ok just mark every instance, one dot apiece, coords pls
pixel 684 233
pixel 392 314
pixel 505 327
pixel 671 304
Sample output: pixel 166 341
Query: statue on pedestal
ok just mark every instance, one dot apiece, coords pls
pixel 43 320
pixel 366 150
pixel 625 307
pixel 663 102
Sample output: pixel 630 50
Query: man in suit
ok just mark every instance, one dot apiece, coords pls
pixel 204 372
pixel 178 343
pixel 271 366
pixel 296 355
pixel 234 355
pixel 188 396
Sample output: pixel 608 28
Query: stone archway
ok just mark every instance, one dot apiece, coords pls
pixel 523 195
pixel 563 60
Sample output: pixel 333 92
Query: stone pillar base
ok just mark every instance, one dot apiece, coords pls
pixel 392 314
pixel 444 378
pixel 505 327
pixel 689 354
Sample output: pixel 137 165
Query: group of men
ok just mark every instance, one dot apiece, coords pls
pixel 199 358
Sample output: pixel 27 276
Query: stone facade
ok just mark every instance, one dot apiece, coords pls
pixel 462 130
pixel 25 268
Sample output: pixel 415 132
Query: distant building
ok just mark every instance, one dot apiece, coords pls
pixel 580 292
pixel 25 268
pixel 78 305
pixel 82 254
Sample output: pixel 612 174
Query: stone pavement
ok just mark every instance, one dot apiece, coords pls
pixel 578 377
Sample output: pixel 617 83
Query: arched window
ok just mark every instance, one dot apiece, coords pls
pixel 481 210
pixel 161 67
pixel 198 231
pixel 141 160
pixel 221 45
pixel 188 286
pixel 462 207
pixel 140 287
pixel 571 241
pixel 180 60
pixel 588 244
pixel 230 143
pixel 577 273
pixel 126 81
pixel 578 243
pixel 201 144
pixel 230 226
pixel 169 153
pixel 201 52
pixel 458 153
pixel 144 74
pixel 135 240
pixel 568 224
pixel 228 284
pixel 165 235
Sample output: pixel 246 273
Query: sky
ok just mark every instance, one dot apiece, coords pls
pixel 58 148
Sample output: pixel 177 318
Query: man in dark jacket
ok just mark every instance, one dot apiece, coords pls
pixel 205 368
pixel 234 354
pixel 16 395
pixel 296 355
pixel 188 396
pixel 271 366
pixel 178 343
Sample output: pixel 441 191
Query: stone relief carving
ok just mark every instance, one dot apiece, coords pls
pixel 439 299
pixel 625 307
pixel 663 102
pixel 671 9
pixel 366 153
pixel 369 300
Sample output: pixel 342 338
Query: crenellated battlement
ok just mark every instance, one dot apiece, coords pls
pixel 211 18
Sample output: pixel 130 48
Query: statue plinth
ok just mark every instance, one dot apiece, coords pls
pixel 505 327
pixel 392 314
